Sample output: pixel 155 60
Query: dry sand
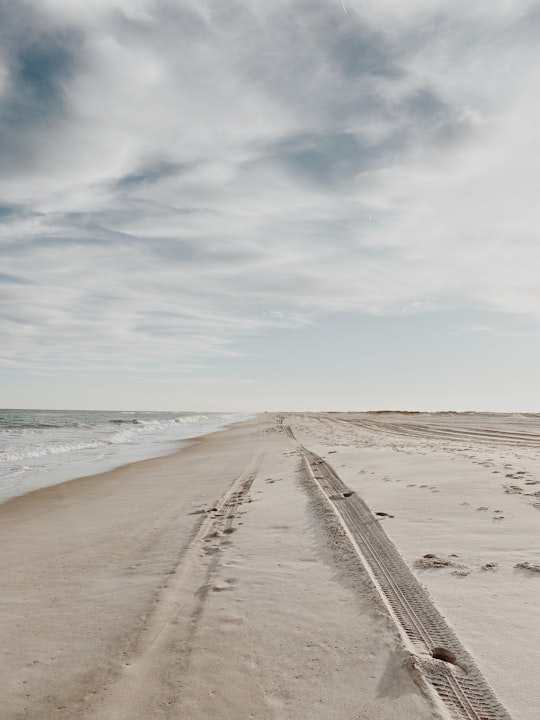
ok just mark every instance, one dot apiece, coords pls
pixel 227 581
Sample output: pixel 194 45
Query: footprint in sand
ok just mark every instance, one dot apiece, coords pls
pixel 513 489
pixel 430 561
pixel 225 585
pixel 490 566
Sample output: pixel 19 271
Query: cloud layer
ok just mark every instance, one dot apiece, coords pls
pixel 176 176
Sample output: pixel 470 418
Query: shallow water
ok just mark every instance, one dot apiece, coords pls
pixel 44 447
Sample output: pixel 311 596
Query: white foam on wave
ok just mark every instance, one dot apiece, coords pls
pixel 46 452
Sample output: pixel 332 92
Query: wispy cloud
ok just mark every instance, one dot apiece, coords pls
pixel 176 176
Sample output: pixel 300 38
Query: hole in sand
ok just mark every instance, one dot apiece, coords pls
pixel 348 494
pixel 447 656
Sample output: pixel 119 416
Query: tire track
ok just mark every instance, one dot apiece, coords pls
pixel 459 683
pixel 444 432
pixel 218 521
pixel 175 618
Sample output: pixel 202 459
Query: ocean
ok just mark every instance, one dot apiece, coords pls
pixel 45 447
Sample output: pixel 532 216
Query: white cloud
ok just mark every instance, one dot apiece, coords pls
pixel 206 171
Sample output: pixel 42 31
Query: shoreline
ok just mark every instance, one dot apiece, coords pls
pixel 105 544
pixel 131 454
pixel 217 581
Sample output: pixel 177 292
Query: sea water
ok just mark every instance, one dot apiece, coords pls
pixel 44 447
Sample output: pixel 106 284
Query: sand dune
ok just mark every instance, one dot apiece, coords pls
pixel 294 566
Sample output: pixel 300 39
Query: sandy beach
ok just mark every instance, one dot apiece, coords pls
pixel 293 566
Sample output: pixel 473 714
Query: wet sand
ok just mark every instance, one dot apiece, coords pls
pixel 220 582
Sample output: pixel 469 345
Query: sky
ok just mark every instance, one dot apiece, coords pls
pixel 251 205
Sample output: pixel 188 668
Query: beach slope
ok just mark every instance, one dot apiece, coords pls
pixel 221 582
